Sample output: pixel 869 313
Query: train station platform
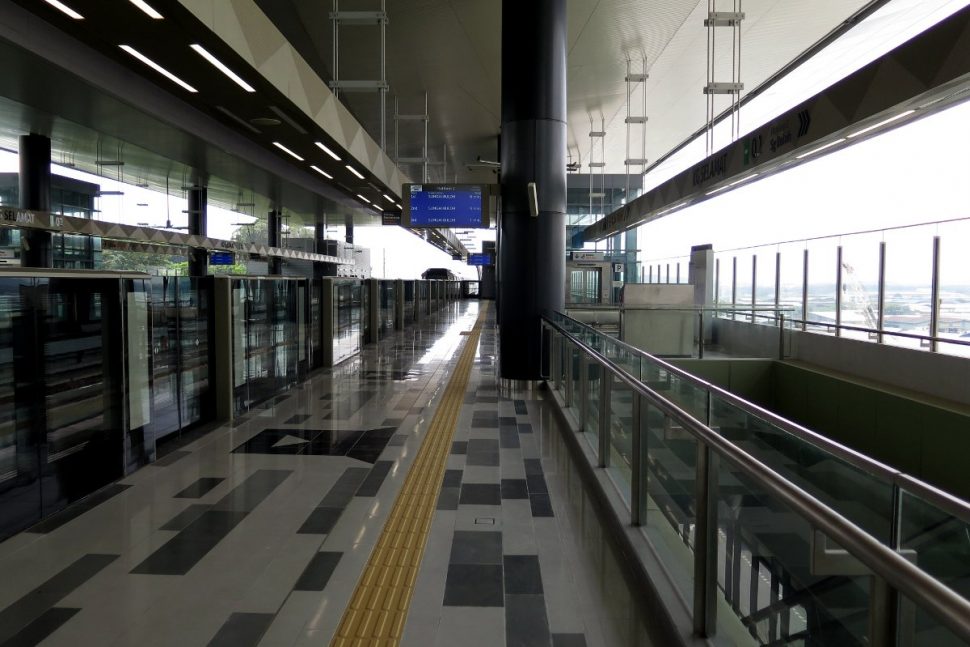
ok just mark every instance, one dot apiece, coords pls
pixel 402 495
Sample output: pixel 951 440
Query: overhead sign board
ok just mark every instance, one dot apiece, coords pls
pixel 588 256
pixel 221 258
pixel 445 205
pixel 390 218
pixel 480 259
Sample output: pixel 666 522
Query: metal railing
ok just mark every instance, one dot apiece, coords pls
pixel 894 574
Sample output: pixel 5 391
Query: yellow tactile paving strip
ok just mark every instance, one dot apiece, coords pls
pixel 379 607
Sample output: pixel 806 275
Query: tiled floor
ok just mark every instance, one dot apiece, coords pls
pixel 256 534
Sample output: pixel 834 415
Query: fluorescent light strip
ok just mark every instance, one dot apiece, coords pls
pixel 881 123
pixel 820 148
pixel 397 205
pixel 158 68
pixel 287 151
pixel 219 65
pixel 144 6
pixel 321 172
pixel 63 8
pixel 363 198
pixel 355 171
pixel 327 151
pixel 744 179
pixel 389 198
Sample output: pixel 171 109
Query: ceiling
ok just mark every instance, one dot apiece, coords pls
pixel 451 49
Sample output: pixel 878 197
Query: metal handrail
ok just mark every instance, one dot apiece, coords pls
pixel 876 331
pixel 856 459
pixel 952 505
pixel 926 591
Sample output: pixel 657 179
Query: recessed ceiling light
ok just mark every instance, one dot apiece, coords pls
pixel 820 148
pixel 389 198
pixel 158 68
pixel 144 6
pixel 363 198
pixel 327 151
pixel 219 65
pixel 355 171
pixel 287 151
pixel 881 123
pixel 321 172
pixel 60 6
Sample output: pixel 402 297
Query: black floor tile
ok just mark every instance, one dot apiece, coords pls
pixel 541 506
pixel 37 630
pixel 483 459
pixel 372 484
pixel 397 440
pixel 522 575
pixel 200 488
pixel 242 630
pixel 78 508
pixel 321 521
pixel 448 498
pixel 509 438
pixel 514 489
pixel 251 492
pixel 297 419
pixel 568 640
pixel 476 547
pixel 526 623
pixel 179 554
pixel 182 520
pixel 474 585
pixel 39 601
pixel 452 479
pixel 480 494
pixel 459 447
pixel 364 444
pixel 536 483
pixel 171 457
pixel 525 428
pixel 520 408
pixel 317 573
pixel 483 446
pixel 345 488
pixel 507 421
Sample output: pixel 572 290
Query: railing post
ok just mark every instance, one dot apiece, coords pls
pixel 717 282
pixel 754 286
pixel 734 287
pixel 777 279
pixel 668 272
pixel 570 378
pixel 583 390
pixel 805 289
pixel 882 612
pixel 781 335
pixel 606 415
pixel 838 291
pixel 935 296
pixel 705 544
pixel 881 296
pixel 700 335
pixel 650 275
pixel 638 475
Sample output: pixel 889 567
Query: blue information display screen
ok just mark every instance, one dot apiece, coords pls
pixel 221 258
pixel 479 259
pixel 443 205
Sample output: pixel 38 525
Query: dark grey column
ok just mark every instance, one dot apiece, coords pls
pixel 35 194
pixel 349 225
pixel 320 247
pixel 198 226
pixel 532 265
pixel 274 234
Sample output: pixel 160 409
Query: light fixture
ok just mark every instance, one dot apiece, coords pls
pixel 719 189
pixel 321 172
pixel 158 68
pixel 397 205
pixel 363 198
pixel 147 8
pixel 60 6
pixel 881 123
pixel 287 151
pixel 389 198
pixel 355 171
pixel 219 65
pixel 820 148
pixel 744 179
pixel 327 151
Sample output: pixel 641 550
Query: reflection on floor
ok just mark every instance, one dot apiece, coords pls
pixel 256 534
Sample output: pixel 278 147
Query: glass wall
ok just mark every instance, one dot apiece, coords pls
pixel 347 318
pixel 75 412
